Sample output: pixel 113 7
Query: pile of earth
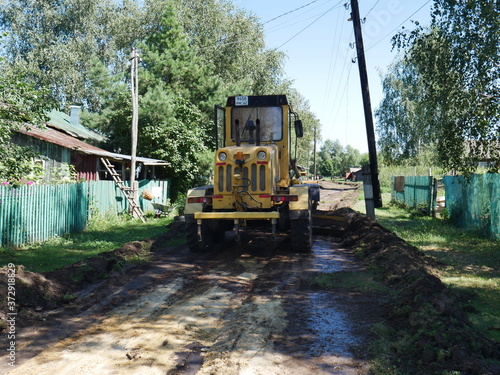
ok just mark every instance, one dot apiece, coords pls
pixel 429 331
pixel 37 292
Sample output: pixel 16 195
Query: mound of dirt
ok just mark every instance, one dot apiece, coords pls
pixel 37 291
pixel 429 328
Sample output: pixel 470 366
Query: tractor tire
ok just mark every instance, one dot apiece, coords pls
pixel 207 239
pixel 301 234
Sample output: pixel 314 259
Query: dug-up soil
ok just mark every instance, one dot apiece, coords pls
pixel 248 311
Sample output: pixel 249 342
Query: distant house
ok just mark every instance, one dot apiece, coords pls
pixel 490 152
pixel 353 174
pixel 65 141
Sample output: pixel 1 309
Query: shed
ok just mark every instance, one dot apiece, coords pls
pixel 64 141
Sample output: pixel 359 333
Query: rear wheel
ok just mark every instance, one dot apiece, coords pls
pixel 301 233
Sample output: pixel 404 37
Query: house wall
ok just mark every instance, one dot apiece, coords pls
pixel 86 166
pixel 54 156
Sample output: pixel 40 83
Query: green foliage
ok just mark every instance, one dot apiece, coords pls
pixel 312 128
pixel 233 42
pixel 19 103
pixel 64 39
pixel 404 124
pixel 17 164
pixel 335 160
pixel 470 262
pixel 456 63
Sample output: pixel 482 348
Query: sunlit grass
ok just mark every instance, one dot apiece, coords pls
pixel 471 263
pixel 102 235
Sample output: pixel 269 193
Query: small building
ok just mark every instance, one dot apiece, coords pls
pixel 64 141
pixel 353 174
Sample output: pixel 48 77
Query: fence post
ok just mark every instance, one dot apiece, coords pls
pixel 368 190
pixel 434 196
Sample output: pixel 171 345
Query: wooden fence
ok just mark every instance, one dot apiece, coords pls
pixel 35 213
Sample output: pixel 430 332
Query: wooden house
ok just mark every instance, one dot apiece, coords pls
pixel 64 141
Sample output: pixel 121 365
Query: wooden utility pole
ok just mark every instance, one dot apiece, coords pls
pixel 134 84
pixel 314 152
pixel 373 197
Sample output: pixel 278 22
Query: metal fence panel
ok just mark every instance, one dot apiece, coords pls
pixel 32 213
pixel 417 191
pixel 35 213
pixel 474 204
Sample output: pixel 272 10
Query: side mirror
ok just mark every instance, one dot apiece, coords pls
pixel 299 131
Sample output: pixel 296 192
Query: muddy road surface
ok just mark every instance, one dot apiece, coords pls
pixel 253 309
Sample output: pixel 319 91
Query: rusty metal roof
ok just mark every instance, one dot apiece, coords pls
pixel 67 141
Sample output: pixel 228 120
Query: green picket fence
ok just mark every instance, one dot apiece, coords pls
pixel 415 191
pixel 35 213
pixel 474 204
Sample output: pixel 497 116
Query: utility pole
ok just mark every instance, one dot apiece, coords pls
pixel 314 152
pixel 373 198
pixel 134 84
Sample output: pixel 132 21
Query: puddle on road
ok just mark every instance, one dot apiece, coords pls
pixel 327 261
pixel 332 327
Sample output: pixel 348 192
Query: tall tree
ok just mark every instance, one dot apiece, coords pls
pixel 20 103
pixel 233 40
pixel 64 40
pixel 404 121
pixel 458 63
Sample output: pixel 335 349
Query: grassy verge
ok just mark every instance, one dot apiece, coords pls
pixel 470 263
pixel 103 234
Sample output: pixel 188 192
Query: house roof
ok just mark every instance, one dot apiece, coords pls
pixel 62 121
pixel 59 138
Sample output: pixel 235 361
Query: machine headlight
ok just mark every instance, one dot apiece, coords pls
pixel 222 156
pixel 261 155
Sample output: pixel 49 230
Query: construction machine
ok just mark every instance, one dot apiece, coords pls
pixel 255 176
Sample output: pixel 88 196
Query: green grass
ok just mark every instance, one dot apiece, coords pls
pixel 103 234
pixel 359 280
pixel 471 263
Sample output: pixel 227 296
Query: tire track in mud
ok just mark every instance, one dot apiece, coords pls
pixel 233 312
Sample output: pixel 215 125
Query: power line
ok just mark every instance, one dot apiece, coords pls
pixel 317 19
pixel 372 8
pixel 291 11
pixel 402 23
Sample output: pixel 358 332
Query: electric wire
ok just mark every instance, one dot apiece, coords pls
pixel 372 8
pixel 291 11
pixel 305 28
pixel 333 62
pixel 402 23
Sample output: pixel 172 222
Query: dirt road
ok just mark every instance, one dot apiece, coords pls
pixel 256 309
pixel 229 312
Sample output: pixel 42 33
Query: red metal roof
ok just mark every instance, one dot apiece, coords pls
pixel 64 140
pixel 57 137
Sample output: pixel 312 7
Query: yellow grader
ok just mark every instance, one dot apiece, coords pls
pixel 255 177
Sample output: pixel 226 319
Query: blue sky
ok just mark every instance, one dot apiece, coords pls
pixel 318 39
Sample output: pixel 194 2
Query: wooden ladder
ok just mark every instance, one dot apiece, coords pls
pixel 127 191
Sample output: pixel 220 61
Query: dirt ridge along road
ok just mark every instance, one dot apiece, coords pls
pixel 233 311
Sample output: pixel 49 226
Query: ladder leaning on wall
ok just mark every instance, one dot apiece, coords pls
pixel 127 191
